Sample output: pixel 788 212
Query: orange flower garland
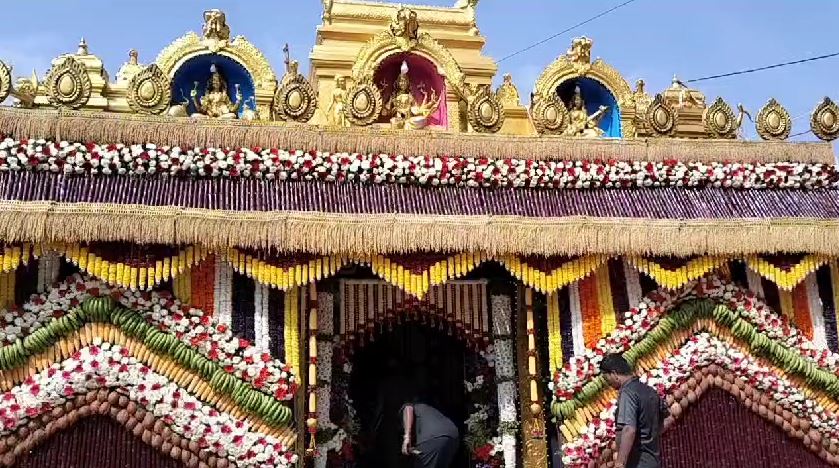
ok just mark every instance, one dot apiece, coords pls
pixel 592 327
pixel 202 279
pixel 801 306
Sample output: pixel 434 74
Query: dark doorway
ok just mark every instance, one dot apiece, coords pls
pixel 433 360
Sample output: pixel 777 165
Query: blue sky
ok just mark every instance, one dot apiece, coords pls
pixel 649 39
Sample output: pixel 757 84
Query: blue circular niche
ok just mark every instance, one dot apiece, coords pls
pixel 594 95
pixel 198 69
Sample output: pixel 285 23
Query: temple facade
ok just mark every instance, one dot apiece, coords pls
pixel 208 262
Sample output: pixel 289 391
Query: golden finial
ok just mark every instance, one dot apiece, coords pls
pixel 82 48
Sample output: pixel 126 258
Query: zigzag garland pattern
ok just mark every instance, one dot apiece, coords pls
pixel 790 277
pixel 99 363
pixel 60 339
pixel 184 332
pixel 546 275
pixel 587 438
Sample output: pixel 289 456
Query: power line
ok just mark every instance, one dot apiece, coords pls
pixel 768 67
pixel 604 13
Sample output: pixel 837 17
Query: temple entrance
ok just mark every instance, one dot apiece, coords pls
pixel 409 357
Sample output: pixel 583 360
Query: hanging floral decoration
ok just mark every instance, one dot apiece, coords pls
pixel 505 379
pixel 454 171
pixel 786 272
pixel 14 256
pixel 370 307
pixel 102 365
pixel 546 274
pixel 481 438
pixel 201 332
pixel 673 276
pixel 132 266
pixel 672 376
pixel 743 309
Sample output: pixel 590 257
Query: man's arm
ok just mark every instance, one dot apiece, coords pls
pixel 626 439
pixel 628 421
pixel 408 424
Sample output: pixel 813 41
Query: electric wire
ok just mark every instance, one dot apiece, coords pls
pixel 581 23
pixel 768 67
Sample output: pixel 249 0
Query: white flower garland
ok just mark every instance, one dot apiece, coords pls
pixel 149 159
pixel 223 297
pixel 505 373
pixel 324 392
pixel 104 365
pixel 49 265
pixel 262 339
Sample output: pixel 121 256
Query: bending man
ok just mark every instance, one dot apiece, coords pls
pixel 436 437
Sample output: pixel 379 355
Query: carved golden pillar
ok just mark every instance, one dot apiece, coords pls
pixel 534 437
pixel 306 400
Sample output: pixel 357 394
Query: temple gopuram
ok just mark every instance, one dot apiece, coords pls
pixel 208 262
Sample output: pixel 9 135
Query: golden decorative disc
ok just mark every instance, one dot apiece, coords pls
pixel 5 81
pixel 719 120
pixel 486 114
pixel 68 85
pixel 825 120
pixel 149 91
pixel 550 116
pixel 660 117
pixel 773 121
pixel 365 104
pixel 295 100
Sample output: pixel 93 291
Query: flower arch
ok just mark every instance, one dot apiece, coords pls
pixel 714 327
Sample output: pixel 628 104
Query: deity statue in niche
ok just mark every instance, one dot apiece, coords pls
pixel 403 109
pixel 580 124
pixel 335 111
pixel 215 103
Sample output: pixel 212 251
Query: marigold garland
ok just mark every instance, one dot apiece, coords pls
pixel 592 327
pixel 801 310
pixel 418 284
pixel 127 276
pixel 14 256
pixel 281 277
pixel 786 279
pixel 570 272
pixel 7 289
pixel 182 286
pixel 554 332
pixel 608 321
pixel 291 328
pixel 674 279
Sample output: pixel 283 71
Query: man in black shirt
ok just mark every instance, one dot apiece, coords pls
pixel 639 417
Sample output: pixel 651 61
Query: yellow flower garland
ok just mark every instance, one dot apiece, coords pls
pixel 786 279
pixel 554 332
pixel 291 332
pixel 608 321
pixel 570 272
pixel 674 279
pixel 131 277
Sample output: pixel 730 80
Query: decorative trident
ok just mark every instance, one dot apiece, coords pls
pixel 287 54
